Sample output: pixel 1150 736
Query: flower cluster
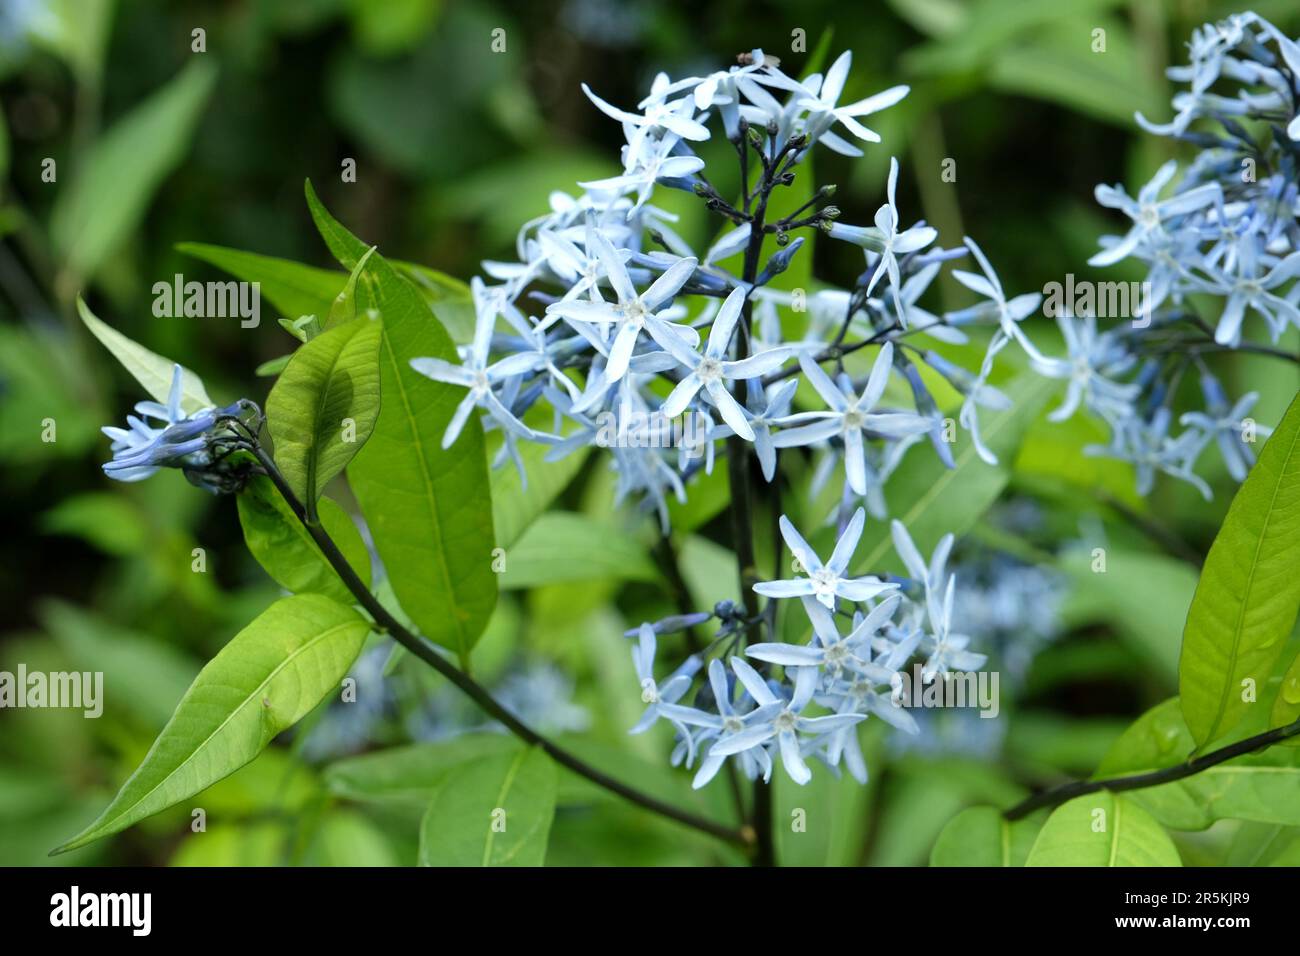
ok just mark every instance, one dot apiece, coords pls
pixel 612 322
pixel 1226 234
pixel 200 444
pixel 865 630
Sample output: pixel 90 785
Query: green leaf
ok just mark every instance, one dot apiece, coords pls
pixel 515 505
pixel 293 288
pixel 931 500
pixel 346 838
pixel 428 508
pixel 116 179
pixel 1260 786
pixel 1286 707
pixel 981 836
pixel 563 546
pixel 344 307
pixel 495 811
pixel 1102 829
pixel 1246 601
pixel 151 370
pixel 282 546
pixel 324 406
pixel 448 297
pixel 411 773
pixel 270 674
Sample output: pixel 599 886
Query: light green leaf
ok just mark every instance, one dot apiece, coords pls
pixel 563 546
pixel 428 508
pixel 270 674
pixel 1246 601
pixel 981 836
pixel 931 500
pixel 324 406
pixel 1261 786
pixel 344 307
pixel 115 181
pixel 448 297
pixel 1286 707
pixel 411 773
pixel 514 506
pixel 255 843
pixel 1102 829
pixel 151 370
pixel 347 838
pixel 282 546
pixel 292 287
pixel 495 811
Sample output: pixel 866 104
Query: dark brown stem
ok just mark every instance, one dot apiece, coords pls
pixel 427 653
pixel 1079 788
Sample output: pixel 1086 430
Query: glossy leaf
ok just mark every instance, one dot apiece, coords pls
pixel 324 406
pixel 495 811
pixel 1102 829
pixel 411 773
pixel 429 509
pixel 263 681
pixel 292 287
pixel 282 546
pixel 1246 601
pixel 981 836
pixel 1261 786
pixel 151 370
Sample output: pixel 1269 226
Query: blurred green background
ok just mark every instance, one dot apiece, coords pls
pixel 456 146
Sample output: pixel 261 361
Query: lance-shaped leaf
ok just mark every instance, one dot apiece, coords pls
pixel 493 812
pixel 981 836
pixel 1102 829
pixel 1262 786
pixel 151 370
pixel 1246 600
pixel 293 288
pixel 428 508
pixel 281 545
pixel 270 674
pixel 324 406
pixel 344 307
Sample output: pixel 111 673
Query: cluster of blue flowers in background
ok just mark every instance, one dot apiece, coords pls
pixel 1220 252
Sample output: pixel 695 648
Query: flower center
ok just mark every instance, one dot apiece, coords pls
pixel 784 721
pixel 823 580
pixel 649 692
pixel 1149 216
pixel 853 420
pixel 709 370
pixel 733 725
